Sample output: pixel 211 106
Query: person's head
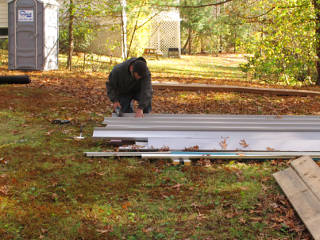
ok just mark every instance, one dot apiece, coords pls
pixel 139 69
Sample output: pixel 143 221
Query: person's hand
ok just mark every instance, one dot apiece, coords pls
pixel 115 105
pixel 139 113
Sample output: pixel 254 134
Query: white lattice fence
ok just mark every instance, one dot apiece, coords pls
pixel 165 32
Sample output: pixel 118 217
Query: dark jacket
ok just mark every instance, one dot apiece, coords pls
pixel 121 83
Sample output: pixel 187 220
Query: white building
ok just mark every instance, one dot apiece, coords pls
pixel 3 18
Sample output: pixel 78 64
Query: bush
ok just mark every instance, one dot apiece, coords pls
pixel 4 44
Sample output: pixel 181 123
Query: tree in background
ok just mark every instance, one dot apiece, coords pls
pixel 211 26
pixel 316 6
pixel 80 23
pixel 283 47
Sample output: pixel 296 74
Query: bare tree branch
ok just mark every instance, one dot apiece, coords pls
pixel 194 6
pixel 270 10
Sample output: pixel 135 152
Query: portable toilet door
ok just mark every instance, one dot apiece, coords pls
pixel 27 35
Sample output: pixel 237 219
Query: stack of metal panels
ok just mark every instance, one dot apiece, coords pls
pixel 179 132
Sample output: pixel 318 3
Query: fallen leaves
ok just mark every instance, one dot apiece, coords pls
pixel 126 205
pixel 4 190
pixel 105 229
pixel 3 161
pixel 223 144
pixel 243 143
pixel 192 149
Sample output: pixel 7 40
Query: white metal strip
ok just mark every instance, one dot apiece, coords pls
pixel 208 125
pixel 137 121
pixel 280 141
pixel 239 155
pixel 218 116
pixel 223 127
pixel 195 155
pixel 117 154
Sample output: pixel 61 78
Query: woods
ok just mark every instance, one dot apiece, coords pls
pixel 280 38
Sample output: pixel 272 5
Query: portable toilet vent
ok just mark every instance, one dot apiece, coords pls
pixel 33 34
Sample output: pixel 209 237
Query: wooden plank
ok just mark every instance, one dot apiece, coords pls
pixel 303 200
pixel 309 172
pixel 227 88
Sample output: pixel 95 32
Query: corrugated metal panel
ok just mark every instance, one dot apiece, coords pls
pixel 217 116
pixel 217 132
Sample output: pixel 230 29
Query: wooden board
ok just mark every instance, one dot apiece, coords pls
pixel 227 88
pixel 303 200
pixel 309 172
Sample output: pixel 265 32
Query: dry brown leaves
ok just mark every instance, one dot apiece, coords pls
pixel 88 93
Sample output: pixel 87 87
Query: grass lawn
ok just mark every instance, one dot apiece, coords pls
pixel 49 190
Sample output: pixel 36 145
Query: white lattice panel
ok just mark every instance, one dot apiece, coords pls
pixel 165 31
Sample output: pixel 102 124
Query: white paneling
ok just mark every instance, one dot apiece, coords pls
pixel 3 14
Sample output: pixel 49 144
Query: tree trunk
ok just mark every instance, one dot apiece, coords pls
pixel 316 4
pixel 201 45
pixel 235 41
pixel 123 4
pixel 190 41
pixel 71 38
pixel 185 45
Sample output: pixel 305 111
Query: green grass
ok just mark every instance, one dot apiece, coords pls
pixel 54 192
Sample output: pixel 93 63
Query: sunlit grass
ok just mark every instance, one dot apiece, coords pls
pixel 199 66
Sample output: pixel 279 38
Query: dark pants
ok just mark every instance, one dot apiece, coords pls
pixel 127 103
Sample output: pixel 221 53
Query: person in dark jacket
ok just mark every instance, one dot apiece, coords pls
pixel 128 81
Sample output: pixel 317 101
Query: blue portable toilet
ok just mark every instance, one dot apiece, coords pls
pixel 33 32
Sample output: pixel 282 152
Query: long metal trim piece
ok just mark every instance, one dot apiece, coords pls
pixel 239 155
pixel 199 125
pixel 139 135
pixel 206 155
pixel 217 116
pixel 237 128
pixel 158 121
pixel 118 154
